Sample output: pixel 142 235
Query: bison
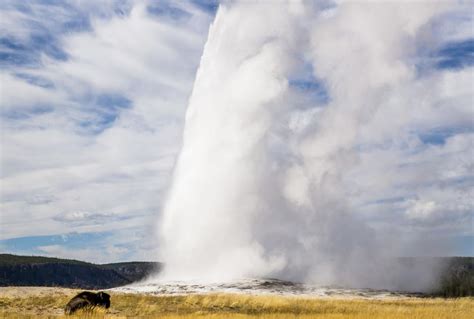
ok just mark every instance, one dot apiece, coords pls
pixel 87 300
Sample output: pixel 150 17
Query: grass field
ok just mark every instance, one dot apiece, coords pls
pixel 35 302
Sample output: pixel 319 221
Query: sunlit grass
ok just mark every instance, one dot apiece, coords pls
pixel 50 303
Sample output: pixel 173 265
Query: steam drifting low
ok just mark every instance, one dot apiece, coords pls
pixel 272 174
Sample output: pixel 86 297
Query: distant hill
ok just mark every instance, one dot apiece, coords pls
pixel 55 272
pixel 456 279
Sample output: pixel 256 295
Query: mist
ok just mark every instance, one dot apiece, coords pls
pixel 271 176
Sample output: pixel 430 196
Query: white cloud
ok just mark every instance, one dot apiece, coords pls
pixel 82 216
pixel 421 210
pixel 31 96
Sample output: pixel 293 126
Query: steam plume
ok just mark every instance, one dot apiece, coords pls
pixel 260 188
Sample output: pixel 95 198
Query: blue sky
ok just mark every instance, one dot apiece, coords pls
pixel 92 112
pixel 93 103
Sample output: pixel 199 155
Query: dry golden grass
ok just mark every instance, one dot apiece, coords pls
pixel 49 302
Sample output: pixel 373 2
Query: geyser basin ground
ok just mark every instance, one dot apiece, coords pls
pixel 258 287
pixel 45 302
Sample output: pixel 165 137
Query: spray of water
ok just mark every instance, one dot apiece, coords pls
pixel 260 186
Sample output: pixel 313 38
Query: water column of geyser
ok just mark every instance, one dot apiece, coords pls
pixel 253 196
pixel 224 176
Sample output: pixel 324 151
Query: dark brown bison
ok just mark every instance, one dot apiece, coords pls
pixel 87 300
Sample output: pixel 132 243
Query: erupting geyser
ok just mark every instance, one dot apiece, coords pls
pixel 224 198
pixel 260 186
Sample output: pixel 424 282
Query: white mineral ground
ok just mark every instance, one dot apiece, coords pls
pixel 259 287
